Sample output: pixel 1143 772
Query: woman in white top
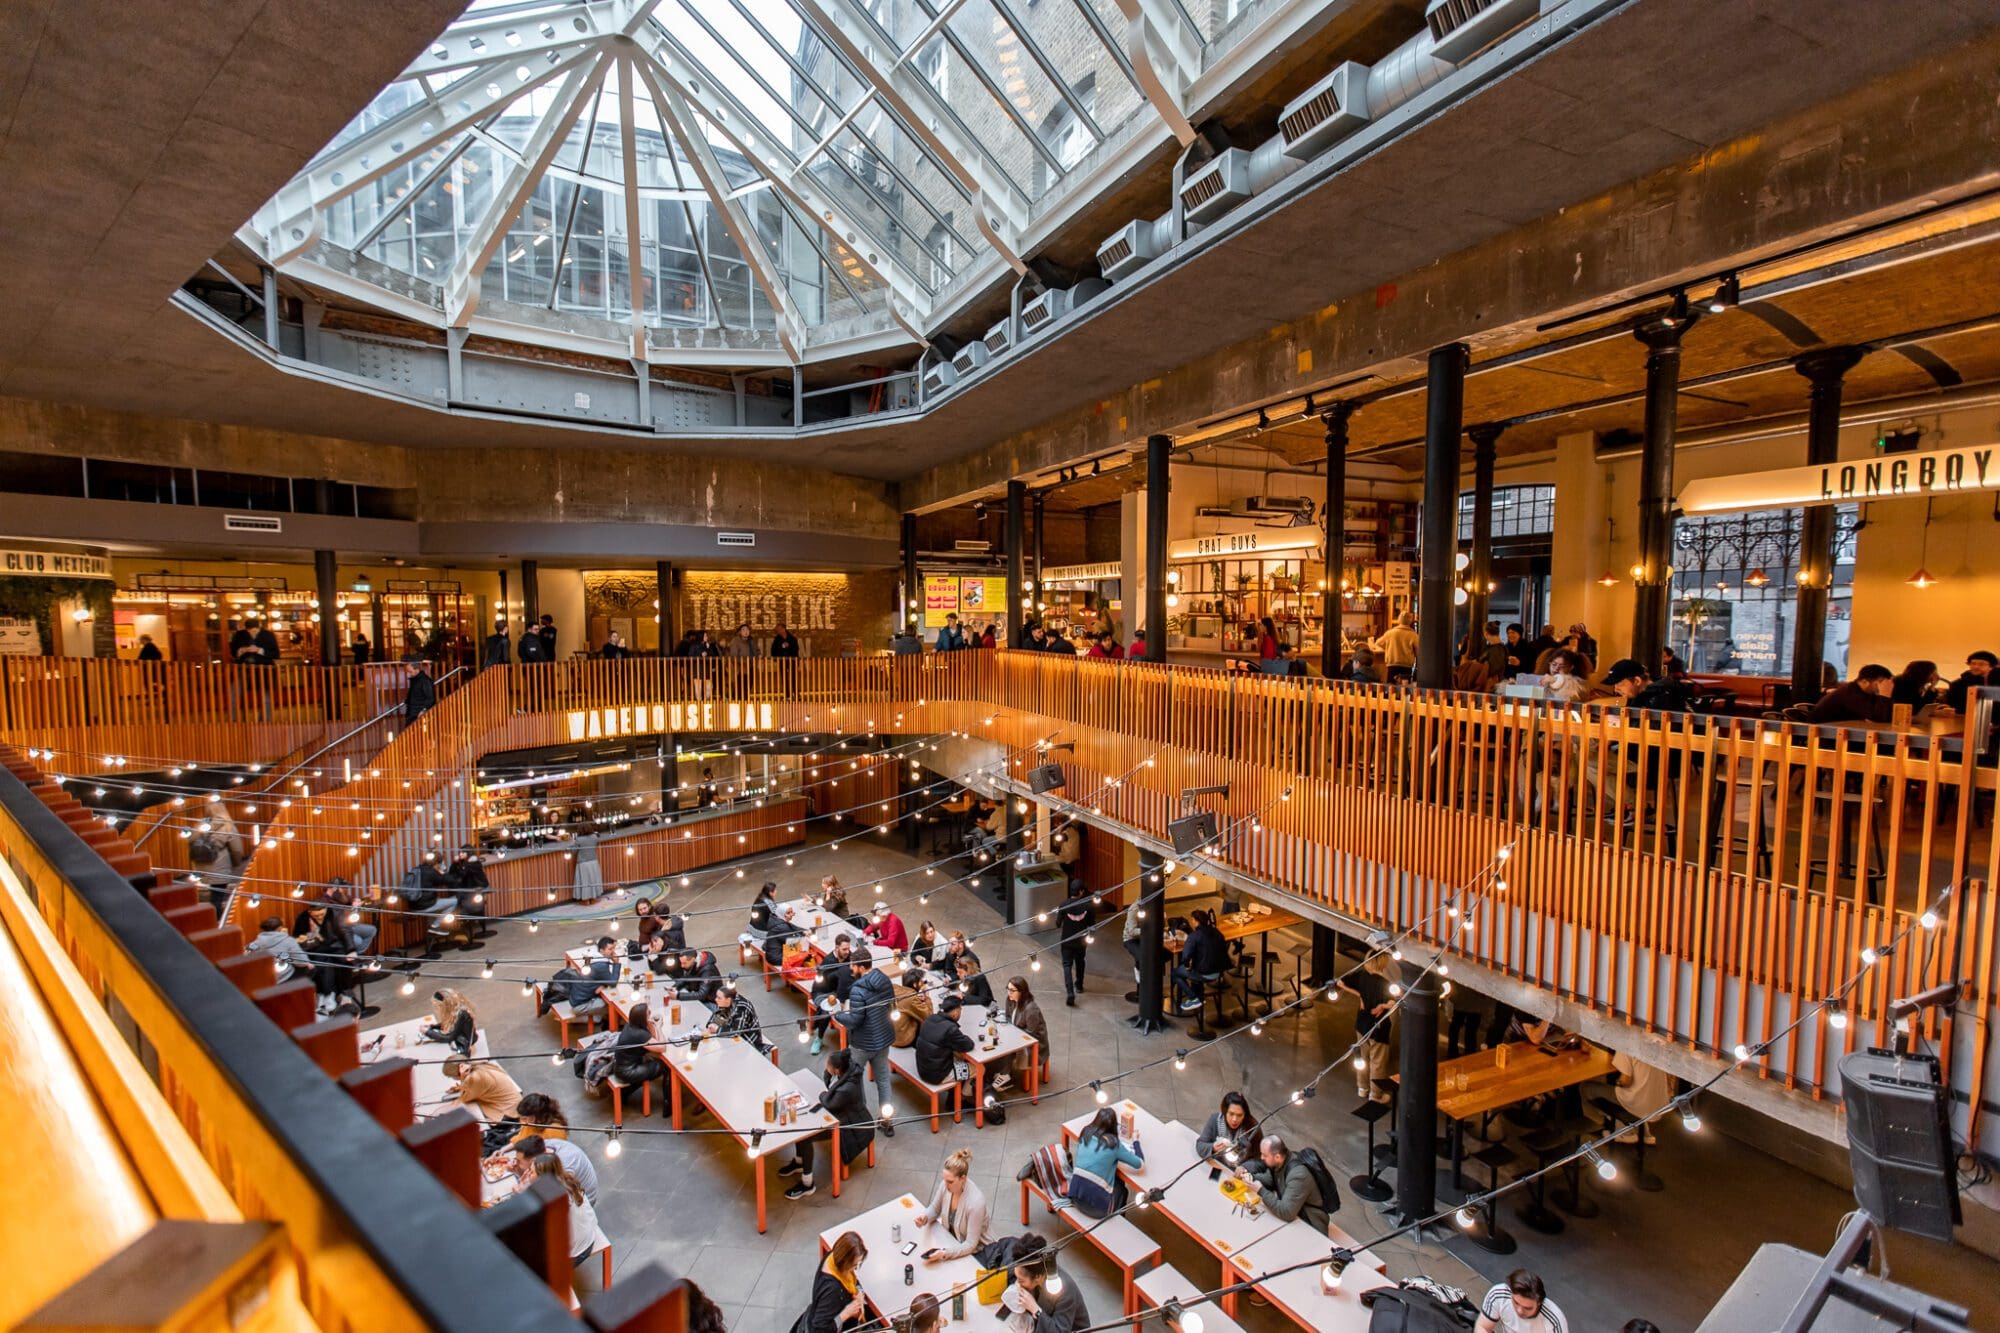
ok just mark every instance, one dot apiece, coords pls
pixel 1568 678
pixel 959 1207
pixel 585 1239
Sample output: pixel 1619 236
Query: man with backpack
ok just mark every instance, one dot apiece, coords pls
pixel 1293 1184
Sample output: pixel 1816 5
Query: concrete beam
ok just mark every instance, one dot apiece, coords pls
pixel 1873 155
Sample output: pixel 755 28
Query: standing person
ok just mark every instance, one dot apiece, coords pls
pixel 361 648
pixel 1398 646
pixel 547 631
pixel 1519 1305
pixel 847 1102
pixel 1585 644
pixel 614 647
pixel 1136 649
pixel 991 638
pixel 1270 651
pixel 836 1303
pixel 1471 1014
pixel 148 650
pixel 1370 988
pixel 741 644
pixel 950 638
pixel 830 989
pixel 784 643
pixel 1078 914
pixel 959 1206
pixel 785 652
pixel 498 648
pixel 534 648
pixel 1025 1013
pixel 267 645
pixel 871 1028
pixel 421 696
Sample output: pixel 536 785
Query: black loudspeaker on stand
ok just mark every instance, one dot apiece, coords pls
pixel 1899 1141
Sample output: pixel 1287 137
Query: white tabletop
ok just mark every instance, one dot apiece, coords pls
pixel 1012 1041
pixel 732 1079
pixel 430 1087
pixel 882 1270
pixel 1300 1293
pixel 1167 1283
pixel 823 931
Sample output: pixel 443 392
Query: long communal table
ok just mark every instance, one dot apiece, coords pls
pixel 1478 1084
pixel 882 1282
pixel 1251 1244
pixel 430 1086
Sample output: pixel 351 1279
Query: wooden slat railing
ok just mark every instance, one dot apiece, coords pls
pixel 1703 878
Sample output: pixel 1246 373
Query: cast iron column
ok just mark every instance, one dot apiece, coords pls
pixel 531 603
pixel 326 575
pixel 1652 591
pixel 913 593
pixel 1480 571
pixel 1152 932
pixel 1416 1099
pixel 663 588
pixel 1335 513
pixel 1041 520
pixel 1158 450
pixel 1443 418
pixel 1825 369
pixel 1017 500
pixel 1010 844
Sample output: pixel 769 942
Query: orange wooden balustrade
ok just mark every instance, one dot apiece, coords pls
pixel 1701 877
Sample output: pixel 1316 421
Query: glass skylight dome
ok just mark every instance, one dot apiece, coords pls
pixel 804 178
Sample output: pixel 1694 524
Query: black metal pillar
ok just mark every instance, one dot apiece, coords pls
pixel 1443 418
pixel 1335 516
pixel 1010 843
pixel 1153 928
pixel 500 611
pixel 1825 370
pixel 1325 954
pixel 531 602
pixel 913 593
pixel 1652 591
pixel 1158 450
pixel 663 589
pixel 327 577
pixel 1017 502
pixel 1480 571
pixel 1416 1098
pixel 1041 524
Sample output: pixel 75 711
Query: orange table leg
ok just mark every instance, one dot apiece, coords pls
pixel 1229 1279
pixel 836 1163
pixel 676 1095
pixel 1035 1076
pixel 758 1167
pixel 978 1098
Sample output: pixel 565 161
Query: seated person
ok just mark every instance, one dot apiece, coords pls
pixel 887 929
pixel 940 1042
pixel 835 978
pixel 485 1089
pixel 1204 957
pixel 453 1021
pixel 1094 1186
pixel 735 1017
pixel 635 1052
pixel 1229 1136
pixel 1041 1298
pixel 580 988
pixel 782 929
pixel 972 983
pixel 763 908
pixel 1286 1185
pixel 846 1099
pixel 959 1207
pixel 957 949
pixel 654 953
pixel 290 956
pixel 1866 698
pixel 929 947
pixel 697 976
pixel 1024 1011
pixel 323 934
pixel 654 923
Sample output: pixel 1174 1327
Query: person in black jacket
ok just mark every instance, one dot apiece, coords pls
pixel 940 1041
pixel 533 647
pixel 762 907
pixel 736 1017
pixel 580 988
pixel 1078 914
pixel 323 934
pixel 698 977
pixel 498 646
pixel 614 647
pixel 634 1058
pixel 837 1303
pixel 547 631
pixel 1204 957
pixel 836 979
pixel 847 1101
pixel 972 983
pixel 422 694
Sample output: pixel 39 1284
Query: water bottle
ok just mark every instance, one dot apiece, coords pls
pixel 958 1305
pixel 909 1275
pixel 896 1234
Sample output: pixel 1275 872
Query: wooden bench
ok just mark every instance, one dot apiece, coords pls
pixel 904 1061
pixel 1166 1283
pixel 1124 1244
pixel 619 1087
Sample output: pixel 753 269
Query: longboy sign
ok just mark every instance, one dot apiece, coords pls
pixel 1945 472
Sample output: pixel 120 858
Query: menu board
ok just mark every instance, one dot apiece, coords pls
pixel 940 598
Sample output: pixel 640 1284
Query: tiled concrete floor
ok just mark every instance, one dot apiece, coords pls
pixel 689 1202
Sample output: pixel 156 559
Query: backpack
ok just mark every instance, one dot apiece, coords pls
pixel 416 897
pixel 1329 1193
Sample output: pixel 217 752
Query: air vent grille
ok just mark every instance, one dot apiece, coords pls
pixel 1037 312
pixel 1461 29
pixel 1201 189
pixel 1217 187
pixel 998 339
pixel 1335 106
pixel 1449 16
pixel 735 539
pixel 252 523
pixel 1115 252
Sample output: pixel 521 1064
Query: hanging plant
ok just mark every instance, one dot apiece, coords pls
pixel 36 598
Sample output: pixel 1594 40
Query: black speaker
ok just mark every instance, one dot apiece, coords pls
pixel 1899 1142
pixel 1045 778
pixel 1192 831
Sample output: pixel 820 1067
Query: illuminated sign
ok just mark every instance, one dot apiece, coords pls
pixel 1255 542
pixel 1093 573
pixel 54 564
pixel 644 719
pixel 1943 472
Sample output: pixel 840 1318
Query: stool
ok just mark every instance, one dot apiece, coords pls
pixel 1486 1231
pixel 1617 1115
pixel 1571 1199
pixel 1210 987
pixel 1547 1145
pixel 1386 1154
pixel 1370 1186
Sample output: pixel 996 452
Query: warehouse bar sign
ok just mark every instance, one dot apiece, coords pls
pixel 1945 472
pixel 653 719
pixel 53 565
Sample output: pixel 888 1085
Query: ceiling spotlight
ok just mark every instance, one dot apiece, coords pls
pixel 1727 294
